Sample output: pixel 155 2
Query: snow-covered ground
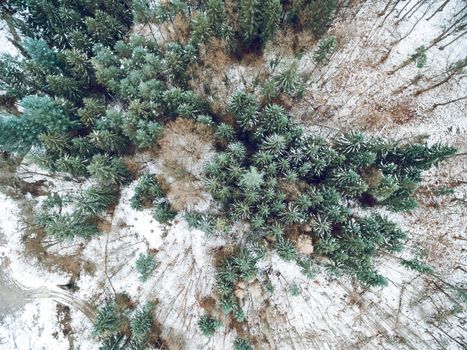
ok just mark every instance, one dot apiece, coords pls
pixel 355 90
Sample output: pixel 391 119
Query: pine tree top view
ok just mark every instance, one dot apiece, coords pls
pixel 199 168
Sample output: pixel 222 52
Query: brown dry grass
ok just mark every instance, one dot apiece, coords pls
pixel 182 148
pixel 288 42
pixel 181 29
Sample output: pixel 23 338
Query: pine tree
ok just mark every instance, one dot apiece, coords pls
pixel 92 110
pixel 248 19
pixel 321 226
pixel 147 134
pixel 208 325
pixel 320 15
pixel 56 144
pixel 419 57
pixel 349 182
pixel 163 212
pixel 270 19
pixel 142 322
pixel 293 215
pixel 107 170
pixel 288 80
pixel 417 266
pixel 224 132
pixel 73 165
pixel 41 115
pixel 65 226
pixel 326 49
pixel 387 186
pixel 286 249
pixel 274 144
pixel 146 191
pixel 145 265
pixel 245 108
pixel 200 28
pixel 237 150
pixel 104 28
pixel 215 13
pixel 351 143
pixel 95 200
pixel 108 320
pixel 252 179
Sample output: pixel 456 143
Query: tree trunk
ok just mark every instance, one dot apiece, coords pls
pixel 447 102
pixel 439 9
pixel 15 38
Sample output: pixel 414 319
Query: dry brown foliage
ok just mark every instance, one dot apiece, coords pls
pixel 288 42
pixel 181 29
pixel 183 148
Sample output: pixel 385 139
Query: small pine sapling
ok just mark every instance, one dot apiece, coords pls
pixel 163 212
pixel 145 265
pixel 295 290
pixel 242 344
pixel 417 265
pixel 142 322
pixel 146 191
pixel 208 325
pixel 419 57
pixel 108 320
pixel 326 49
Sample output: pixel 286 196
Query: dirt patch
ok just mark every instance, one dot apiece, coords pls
pixel 184 149
pixel 64 320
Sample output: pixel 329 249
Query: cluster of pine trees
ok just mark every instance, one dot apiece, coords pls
pixel 91 91
pixel 121 326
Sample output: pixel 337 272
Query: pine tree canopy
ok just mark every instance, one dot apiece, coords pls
pixel 98 85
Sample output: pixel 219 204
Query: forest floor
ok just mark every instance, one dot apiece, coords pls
pixel 363 87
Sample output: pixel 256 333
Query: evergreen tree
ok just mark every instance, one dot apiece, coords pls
pixel 419 57
pixel 215 14
pixel 326 49
pixel 107 170
pixel 95 200
pixel 417 266
pixel 320 15
pixel 224 132
pixel 200 28
pixel 245 108
pixel 286 249
pixel 208 325
pixel 251 179
pixel 75 166
pixel 142 322
pixel 145 265
pixel 163 212
pixel 288 80
pixel 92 110
pixel 108 320
pixel 65 226
pixel 248 19
pixel 270 18
pixel 41 114
pixel 146 191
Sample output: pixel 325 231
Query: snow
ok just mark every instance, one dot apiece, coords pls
pixel 5 45
pixel 354 90
pixel 35 327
